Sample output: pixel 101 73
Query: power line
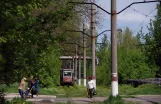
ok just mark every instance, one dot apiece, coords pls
pixel 143 21
pixel 141 12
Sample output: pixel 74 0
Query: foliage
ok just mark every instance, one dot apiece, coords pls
pixel 2 95
pixel 28 30
pixel 115 100
pixel 132 60
pixel 153 42
pixel 144 89
pixel 49 69
pixel 19 101
pixel 133 64
pixel 103 70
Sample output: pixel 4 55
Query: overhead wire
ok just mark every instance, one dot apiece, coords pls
pixel 143 20
pixel 141 12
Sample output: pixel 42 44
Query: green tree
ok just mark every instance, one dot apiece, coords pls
pixel 132 60
pixel 28 31
pixel 104 69
pixel 153 41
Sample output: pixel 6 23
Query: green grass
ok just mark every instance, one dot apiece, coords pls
pixel 80 91
pixel 116 100
pixel 144 89
pixel 13 88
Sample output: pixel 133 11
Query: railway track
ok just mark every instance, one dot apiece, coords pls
pixel 71 101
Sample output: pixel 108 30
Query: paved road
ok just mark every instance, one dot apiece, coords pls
pixel 48 99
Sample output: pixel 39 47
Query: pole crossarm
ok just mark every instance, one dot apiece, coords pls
pixel 102 32
pixel 78 31
pixel 137 3
pixel 91 4
pixel 76 44
pixel 72 52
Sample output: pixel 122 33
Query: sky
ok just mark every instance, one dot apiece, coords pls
pixel 134 17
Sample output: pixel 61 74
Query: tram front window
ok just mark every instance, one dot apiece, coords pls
pixel 67 73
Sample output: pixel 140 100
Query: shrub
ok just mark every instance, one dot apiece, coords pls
pixel 19 101
pixel 114 100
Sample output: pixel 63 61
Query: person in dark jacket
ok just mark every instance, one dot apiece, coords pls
pixel 31 82
pixel 37 86
pixel 31 85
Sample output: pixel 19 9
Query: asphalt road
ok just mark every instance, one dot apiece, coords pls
pixel 48 99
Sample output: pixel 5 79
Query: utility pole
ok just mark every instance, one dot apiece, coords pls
pixel 114 49
pixel 84 56
pixel 79 76
pixel 93 45
pixel 76 63
pixel 73 74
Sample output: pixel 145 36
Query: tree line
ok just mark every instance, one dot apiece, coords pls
pixel 33 33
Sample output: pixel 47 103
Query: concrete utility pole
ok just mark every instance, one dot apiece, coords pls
pixel 114 49
pixel 73 65
pixel 93 45
pixel 84 56
pixel 79 76
pixel 76 63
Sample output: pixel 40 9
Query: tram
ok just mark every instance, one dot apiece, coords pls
pixel 67 71
pixel 66 77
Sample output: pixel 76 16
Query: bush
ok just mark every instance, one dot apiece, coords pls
pixel 19 101
pixel 114 100
pixel 2 95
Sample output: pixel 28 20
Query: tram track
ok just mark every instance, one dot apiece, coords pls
pixel 71 101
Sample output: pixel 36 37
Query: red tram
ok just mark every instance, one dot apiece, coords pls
pixel 67 71
pixel 66 77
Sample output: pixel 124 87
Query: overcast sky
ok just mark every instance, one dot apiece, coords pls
pixel 132 17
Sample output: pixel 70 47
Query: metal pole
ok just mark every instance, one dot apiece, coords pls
pixel 70 64
pixel 93 45
pixel 84 57
pixel 73 72
pixel 79 77
pixel 114 49
pixel 76 63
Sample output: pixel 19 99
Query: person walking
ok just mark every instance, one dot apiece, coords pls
pixel 37 80
pixel 21 87
pixel 31 86
pixel 31 82
pixel 90 87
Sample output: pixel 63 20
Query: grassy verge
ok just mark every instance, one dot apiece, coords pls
pixel 145 89
pixel 117 100
pixel 80 91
